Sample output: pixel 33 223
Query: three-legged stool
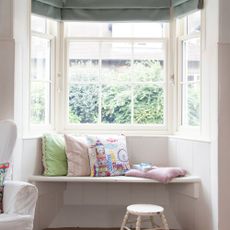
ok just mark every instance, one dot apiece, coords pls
pixel 145 210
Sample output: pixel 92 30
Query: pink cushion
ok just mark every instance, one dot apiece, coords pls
pixel 77 156
pixel 162 174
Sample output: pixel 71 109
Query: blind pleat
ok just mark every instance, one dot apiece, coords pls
pixel 45 10
pixel 183 7
pixel 116 15
pixel 117 4
pixel 55 3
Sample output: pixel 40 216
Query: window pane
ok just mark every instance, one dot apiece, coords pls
pixel 193 104
pixel 83 103
pixel 38 24
pixel 191 59
pixel 40 59
pixel 148 104
pixel 149 50
pixel 148 30
pixel 191 83
pixel 148 70
pixel 116 61
pixel 148 62
pixel 83 61
pixel 40 103
pixel 116 104
pixel 194 22
pixel 114 30
pixel 83 69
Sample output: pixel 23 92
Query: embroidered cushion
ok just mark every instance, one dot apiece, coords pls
pixel 108 155
pixel 77 156
pixel 3 171
pixel 162 174
pixel 54 157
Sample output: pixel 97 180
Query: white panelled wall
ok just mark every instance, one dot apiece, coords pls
pixel 103 205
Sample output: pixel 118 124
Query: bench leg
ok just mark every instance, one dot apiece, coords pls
pixel 124 220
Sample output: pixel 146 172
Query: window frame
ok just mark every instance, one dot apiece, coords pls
pixel 182 36
pixel 37 128
pixel 122 128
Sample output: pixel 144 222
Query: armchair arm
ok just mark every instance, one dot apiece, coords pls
pixel 19 198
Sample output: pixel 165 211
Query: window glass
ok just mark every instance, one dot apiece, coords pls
pixel 193 21
pixel 105 29
pixel 117 81
pixel 40 80
pixel 40 58
pixel 190 94
pixel 38 24
pixel 42 69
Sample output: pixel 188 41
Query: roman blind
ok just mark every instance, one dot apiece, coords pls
pixel 183 7
pixel 113 10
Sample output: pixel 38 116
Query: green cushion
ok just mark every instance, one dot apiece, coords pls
pixel 54 156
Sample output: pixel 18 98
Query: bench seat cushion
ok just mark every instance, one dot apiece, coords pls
pixel 161 174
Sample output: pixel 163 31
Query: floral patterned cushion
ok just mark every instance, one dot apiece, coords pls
pixel 3 171
pixel 108 155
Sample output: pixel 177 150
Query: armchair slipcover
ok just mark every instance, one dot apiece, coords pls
pixel 19 198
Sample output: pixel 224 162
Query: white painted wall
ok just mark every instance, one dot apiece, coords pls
pixel 195 156
pixel 224 114
pixel 6 60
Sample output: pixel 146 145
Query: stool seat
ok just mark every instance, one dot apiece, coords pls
pixel 144 209
pixel 142 212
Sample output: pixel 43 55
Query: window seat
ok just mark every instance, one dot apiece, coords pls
pixel 114 179
pixel 188 185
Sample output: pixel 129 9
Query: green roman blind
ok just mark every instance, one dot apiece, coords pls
pixel 48 8
pixel 113 10
pixel 103 10
pixel 183 7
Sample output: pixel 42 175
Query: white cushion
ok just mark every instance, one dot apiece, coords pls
pixel 16 222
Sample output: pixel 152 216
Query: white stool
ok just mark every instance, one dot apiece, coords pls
pixel 145 210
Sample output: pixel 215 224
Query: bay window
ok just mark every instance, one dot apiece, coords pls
pixel 114 76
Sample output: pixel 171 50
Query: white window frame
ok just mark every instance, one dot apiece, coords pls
pixel 38 128
pixel 181 38
pixel 119 128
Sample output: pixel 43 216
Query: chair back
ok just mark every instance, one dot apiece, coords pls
pixel 8 135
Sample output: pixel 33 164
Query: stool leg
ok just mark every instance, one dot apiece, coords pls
pixel 152 221
pixel 164 221
pixel 124 220
pixel 138 223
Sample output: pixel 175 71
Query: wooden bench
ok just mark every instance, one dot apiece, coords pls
pixel 191 184
pixel 114 179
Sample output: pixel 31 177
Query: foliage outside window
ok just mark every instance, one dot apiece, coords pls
pixel 115 75
pixel 189 70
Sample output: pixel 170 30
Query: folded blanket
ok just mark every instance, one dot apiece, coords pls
pixel 162 174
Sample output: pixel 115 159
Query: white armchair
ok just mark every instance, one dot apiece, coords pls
pixel 19 198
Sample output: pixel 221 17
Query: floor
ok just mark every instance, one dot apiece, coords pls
pixel 81 229
pixel 84 229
